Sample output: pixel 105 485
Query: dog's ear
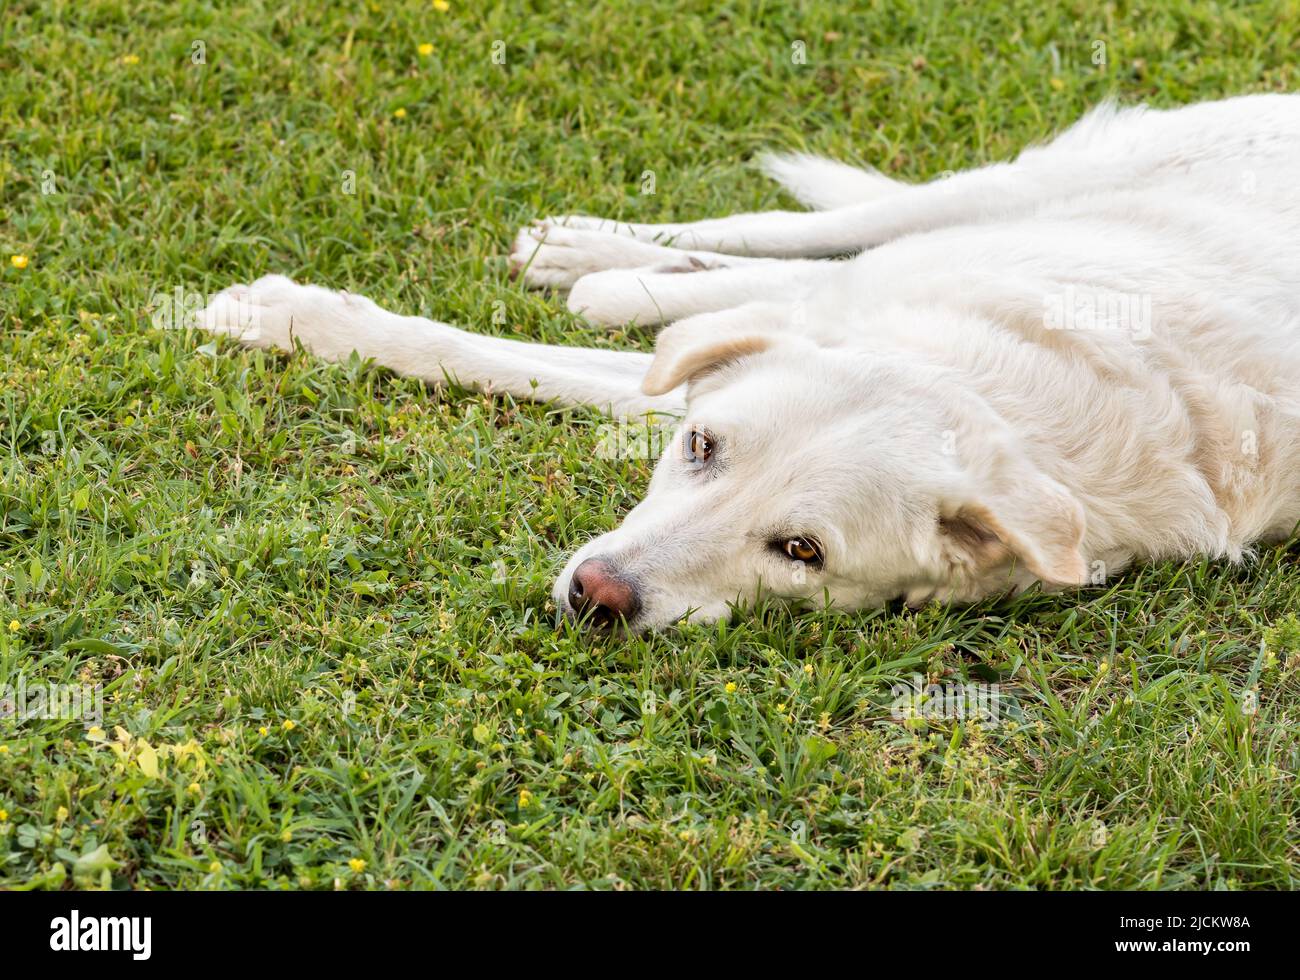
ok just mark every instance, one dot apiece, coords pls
pixel 686 350
pixel 1022 514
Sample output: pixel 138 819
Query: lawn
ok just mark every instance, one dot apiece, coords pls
pixel 316 596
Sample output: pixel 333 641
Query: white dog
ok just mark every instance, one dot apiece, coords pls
pixel 1036 371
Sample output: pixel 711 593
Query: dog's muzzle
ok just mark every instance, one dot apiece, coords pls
pixel 600 596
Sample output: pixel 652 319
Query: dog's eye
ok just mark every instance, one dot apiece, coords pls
pixel 698 446
pixel 806 550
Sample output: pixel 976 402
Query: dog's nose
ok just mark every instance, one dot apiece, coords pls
pixel 598 592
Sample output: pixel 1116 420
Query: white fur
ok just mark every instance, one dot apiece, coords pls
pixel 1036 371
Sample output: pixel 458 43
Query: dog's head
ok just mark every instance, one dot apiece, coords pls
pixel 805 472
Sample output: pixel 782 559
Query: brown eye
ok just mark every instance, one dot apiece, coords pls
pixel 699 446
pixel 802 549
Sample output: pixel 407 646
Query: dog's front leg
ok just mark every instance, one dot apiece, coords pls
pixel 666 294
pixel 275 312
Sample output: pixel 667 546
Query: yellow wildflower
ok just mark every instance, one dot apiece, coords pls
pixel 18 261
pixel 425 49
pixel 357 865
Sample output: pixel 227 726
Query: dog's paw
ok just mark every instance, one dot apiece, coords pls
pixel 235 313
pixel 274 311
pixel 549 255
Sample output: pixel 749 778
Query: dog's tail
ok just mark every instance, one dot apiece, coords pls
pixel 820 183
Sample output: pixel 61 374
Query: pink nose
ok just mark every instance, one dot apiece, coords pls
pixel 598 593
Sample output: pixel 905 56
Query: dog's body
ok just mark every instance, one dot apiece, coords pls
pixel 1036 371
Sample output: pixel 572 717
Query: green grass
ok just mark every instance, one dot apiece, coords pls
pixel 229 540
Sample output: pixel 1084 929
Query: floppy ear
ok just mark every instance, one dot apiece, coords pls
pixel 1030 517
pixel 688 349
